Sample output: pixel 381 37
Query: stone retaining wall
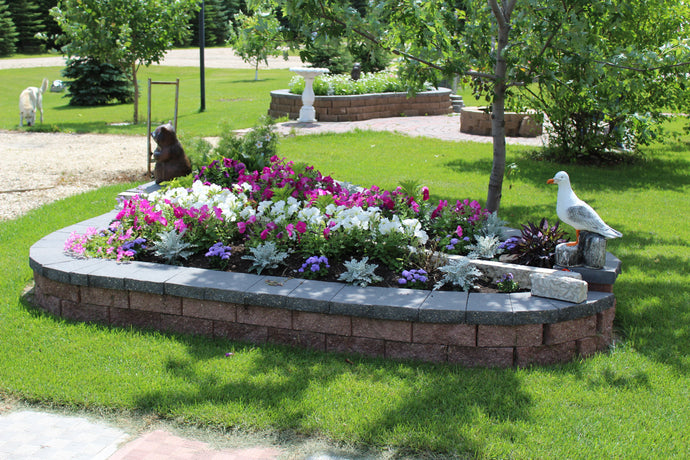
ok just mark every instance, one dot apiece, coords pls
pixel 471 329
pixel 476 120
pixel 363 106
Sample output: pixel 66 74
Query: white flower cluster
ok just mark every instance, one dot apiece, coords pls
pixel 235 206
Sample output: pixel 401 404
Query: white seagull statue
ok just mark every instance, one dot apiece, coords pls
pixel 576 213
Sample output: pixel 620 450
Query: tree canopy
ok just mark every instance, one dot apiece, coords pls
pixel 599 53
pixel 126 33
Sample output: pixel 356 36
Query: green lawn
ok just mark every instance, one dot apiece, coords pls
pixel 632 402
pixel 234 100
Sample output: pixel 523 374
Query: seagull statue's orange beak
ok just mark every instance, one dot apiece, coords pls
pixel 550 181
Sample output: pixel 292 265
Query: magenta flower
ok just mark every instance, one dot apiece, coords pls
pixel 425 193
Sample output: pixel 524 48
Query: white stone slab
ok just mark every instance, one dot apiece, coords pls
pixel 560 286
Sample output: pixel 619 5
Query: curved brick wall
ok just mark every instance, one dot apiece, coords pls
pixel 471 329
pixel 363 106
pixel 474 120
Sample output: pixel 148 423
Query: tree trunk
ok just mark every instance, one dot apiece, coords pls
pixel 136 93
pixel 498 129
pixel 256 71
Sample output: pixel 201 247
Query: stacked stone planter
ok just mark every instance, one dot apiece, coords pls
pixel 476 120
pixel 472 329
pixel 364 106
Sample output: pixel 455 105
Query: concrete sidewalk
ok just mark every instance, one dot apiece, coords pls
pixel 29 434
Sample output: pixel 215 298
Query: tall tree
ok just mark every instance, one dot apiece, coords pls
pixel 126 33
pixel 51 28
pixel 8 33
pixel 257 37
pixel 502 46
pixel 27 19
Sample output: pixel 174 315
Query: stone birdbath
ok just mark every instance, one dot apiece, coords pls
pixel 307 114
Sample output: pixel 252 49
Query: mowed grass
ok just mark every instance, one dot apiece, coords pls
pixel 233 101
pixel 632 402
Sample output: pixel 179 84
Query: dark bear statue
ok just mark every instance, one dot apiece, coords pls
pixel 171 161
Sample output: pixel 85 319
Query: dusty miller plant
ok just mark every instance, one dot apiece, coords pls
pixel 492 226
pixel 359 272
pixel 265 255
pixel 458 272
pixel 171 247
pixel 486 247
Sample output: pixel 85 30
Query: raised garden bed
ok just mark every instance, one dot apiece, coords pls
pixel 476 120
pixel 473 329
pixel 363 106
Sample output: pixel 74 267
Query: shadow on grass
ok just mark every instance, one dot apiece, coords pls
pixel 279 382
pixel 659 171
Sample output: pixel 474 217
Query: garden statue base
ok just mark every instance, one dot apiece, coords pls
pixel 590 252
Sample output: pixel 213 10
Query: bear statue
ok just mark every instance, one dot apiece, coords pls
pixel 171 161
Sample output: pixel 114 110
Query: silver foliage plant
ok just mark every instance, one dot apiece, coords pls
pixel 266 255
pixel 486 247
pixel 458 272
pixel 359 272
pixel 171 247
pixel 493 226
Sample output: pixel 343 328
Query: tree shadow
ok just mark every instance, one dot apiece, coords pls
pixel 663 173
pixel 446 403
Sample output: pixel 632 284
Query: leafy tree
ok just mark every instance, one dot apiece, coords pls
pixel 257 37
pixel 27 20
pixel 503 47
pixel 8 33
pixel 125 33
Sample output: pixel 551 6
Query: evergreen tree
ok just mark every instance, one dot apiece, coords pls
pixel 51 28
pixel 8 33
pixel 27 19
pixel 216 24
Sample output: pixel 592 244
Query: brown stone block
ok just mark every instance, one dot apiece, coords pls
pixel 568 331
pixel 428 352
pixel 545 354
pixel 481 357
pixel 359 345
pixel 605 321
pixel 320 322
pixel 124 317
pixel 264 316
pixel 600 287
pixel 62 291
pixel 588 346
pixel 240 332
pixel 322 104
pixel 447 334
pixel 400 331
pixel 303 339
pixel 105 297
pixel 326 117
pixel 340 103
pixel 84 312
pixel 508 336
pixel 209 309
pixel 186 325
pixel 155 302
pixel 51 304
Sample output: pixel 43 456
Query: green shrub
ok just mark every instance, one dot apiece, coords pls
pixel 341 85
pixel 94 83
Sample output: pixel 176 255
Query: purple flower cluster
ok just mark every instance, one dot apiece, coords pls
pixel 219 250
pixel 413 278
pixel 314 266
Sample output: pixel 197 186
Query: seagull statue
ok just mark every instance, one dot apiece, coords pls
pixel 576 213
